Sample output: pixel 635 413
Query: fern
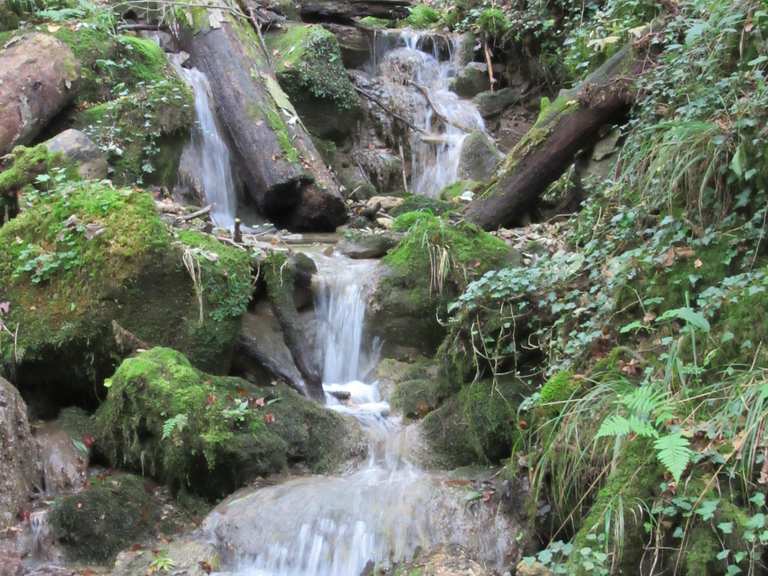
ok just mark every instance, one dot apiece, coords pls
pixel 674 453
pixel 177 422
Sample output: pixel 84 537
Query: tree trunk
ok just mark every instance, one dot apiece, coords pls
pixel 283 171
pixel 38 74
pixel 550 146
pixel 279 278
pixel 348 10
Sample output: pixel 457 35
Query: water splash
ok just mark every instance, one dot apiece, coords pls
pixel 210 159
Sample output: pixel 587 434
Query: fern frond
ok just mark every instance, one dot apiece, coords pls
pixel 674 453
pixel 614 425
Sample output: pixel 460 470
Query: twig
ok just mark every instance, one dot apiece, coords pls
pixel 402 165
pixel 389 111
pixel 489 63
pixel 195 214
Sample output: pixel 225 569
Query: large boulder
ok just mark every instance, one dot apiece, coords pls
pixel 479 157
pixel 77 147
pixel 38 76
pixel 89 273
pixel 471 80
pixel 188 558
pixel 309 68
pixel 409 298
pixel 20 472
pixel 493 103
pixel 64 459
pixel 210 434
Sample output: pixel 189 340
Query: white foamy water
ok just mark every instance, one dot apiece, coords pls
pixel 445 118
pixel 210 158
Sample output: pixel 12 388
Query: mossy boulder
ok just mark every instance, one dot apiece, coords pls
pixel 87 257
pixel 429 267
pixel 556 391
pixel 108 516
pixel 212 434
pixel 415 398
pixel 309 68
pixel 478 425
pixel 9 20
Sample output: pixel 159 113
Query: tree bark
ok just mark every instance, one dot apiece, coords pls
pixel 551 145
pixel 284 173
pixel 38 76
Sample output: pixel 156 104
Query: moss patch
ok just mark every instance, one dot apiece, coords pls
pixel 108 516
pixel 422 16
pixel 374 23
pixel 87 254
pixel 206 433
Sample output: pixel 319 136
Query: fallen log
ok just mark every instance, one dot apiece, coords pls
pixel 348 10
pixel 563 129
pixel 284 173
pixel 38 77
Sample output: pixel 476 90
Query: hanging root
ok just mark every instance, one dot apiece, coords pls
pixel 195 273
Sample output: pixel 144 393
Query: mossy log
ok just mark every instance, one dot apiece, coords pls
pixel 348 10
pixel 38 76
pixel 284 173
pixel 564 128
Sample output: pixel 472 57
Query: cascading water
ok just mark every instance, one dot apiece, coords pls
pixel 445 119
pixel 380 513
pixel 210 158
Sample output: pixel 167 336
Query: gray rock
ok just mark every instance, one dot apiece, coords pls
pixel 19 463
pixel 479 157
pixel 190 558
pixel 64 466
pixel 367 245
pixel 471 80
pixel 492 103
pixel 73 144
pixel 353 43
pixel 446 561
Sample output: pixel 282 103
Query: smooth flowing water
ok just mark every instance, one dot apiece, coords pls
pixel 427 64
pixel 382 511
pixel 209 159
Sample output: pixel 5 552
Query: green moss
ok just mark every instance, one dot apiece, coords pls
pixel 86 255
pixel 32 169
pixel 280 129
pixel 560 388
pixel 108 516
pixel 146 59
pixel 164 110
pixel 308 63
pixel 490 411
pixel 447 433
pixel 453 191
pixel 634 480
pixel 417 202
pixel 9 20
pixel 76 422
pixel 206 433
pixel 422 16
pixel 374 23
pixel 743 325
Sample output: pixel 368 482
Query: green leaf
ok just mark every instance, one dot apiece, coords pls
pixel 707 509
pixel 674 453
pixel 723 554
pixel 688 315
pixel 726 527
pixel 614 425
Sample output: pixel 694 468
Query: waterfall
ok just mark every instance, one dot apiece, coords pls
pixel 444 118
pixel 340 302
pixel 209 159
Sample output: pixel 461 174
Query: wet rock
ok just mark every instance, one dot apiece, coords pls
pixel 493 103
pixel 447 561
pixel 38 74
pixel 76 146
pixel 472 80
pixel 353 42
pixel 385 203
pixel 479 157
pixel 188 557
pixel 346 10
pixel 534 568
pixel 64 465
pixel 367 245
pixel 19 464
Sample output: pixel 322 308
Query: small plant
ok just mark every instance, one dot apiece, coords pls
pixel 161 563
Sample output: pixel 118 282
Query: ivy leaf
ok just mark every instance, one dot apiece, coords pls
pixel 726 527
pixel 674 453
pixel 707 509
